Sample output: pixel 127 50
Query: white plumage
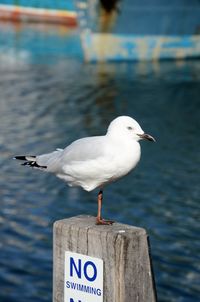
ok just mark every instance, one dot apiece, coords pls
pixel 93 162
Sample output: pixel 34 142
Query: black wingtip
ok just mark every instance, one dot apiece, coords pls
pixel 33 164
pixel 22 157
pixel 29 161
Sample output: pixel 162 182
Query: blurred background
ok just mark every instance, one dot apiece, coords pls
pixel 49 96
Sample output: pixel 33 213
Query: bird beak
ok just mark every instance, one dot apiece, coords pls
pixel 147 136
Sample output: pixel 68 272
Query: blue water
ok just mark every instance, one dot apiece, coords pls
pixel 49 101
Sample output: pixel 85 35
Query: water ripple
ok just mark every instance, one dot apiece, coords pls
pixel 44 107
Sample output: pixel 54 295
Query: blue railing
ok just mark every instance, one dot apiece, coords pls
pixel 49 4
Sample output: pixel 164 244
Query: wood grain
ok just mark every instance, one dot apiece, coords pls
pixel 128 275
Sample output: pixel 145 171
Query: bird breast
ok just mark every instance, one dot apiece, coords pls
pixel 126 159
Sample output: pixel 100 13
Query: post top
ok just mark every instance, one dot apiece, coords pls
pixel 88 223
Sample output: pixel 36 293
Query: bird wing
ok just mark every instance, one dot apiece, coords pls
pixel 84 149
pixel 79 151
pixel 84 163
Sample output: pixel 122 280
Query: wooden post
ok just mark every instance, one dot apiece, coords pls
pixel 124 249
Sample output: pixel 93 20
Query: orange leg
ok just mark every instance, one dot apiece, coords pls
pixel 99 219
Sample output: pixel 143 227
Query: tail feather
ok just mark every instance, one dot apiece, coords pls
pixel 29 161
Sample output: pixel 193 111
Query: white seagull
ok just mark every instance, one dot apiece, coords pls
pixel 93 162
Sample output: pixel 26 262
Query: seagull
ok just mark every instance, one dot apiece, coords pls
pixel 93 162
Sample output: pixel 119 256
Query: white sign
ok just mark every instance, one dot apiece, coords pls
pixel 83 280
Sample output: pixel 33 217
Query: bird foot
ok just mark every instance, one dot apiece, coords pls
pixel 101 221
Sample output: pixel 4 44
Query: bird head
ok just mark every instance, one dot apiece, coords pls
pixel 127 127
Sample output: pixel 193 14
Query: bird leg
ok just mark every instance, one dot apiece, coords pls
pixel 99 219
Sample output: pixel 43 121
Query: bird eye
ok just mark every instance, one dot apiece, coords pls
pixel 129 128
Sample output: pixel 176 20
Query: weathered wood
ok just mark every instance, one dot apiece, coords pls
pixel 128 275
